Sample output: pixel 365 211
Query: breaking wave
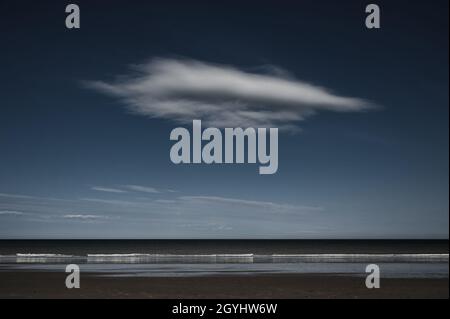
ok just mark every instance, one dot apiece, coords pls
pixel 223 258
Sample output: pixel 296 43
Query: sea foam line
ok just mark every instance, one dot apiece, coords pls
pixel 360 255
pixel 168 255
pixel 43 256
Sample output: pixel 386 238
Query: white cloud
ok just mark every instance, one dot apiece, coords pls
pixel 85 217
pixel 107 189
pixel 143 189
pixel 11 213
pixel 165 201
pixel 223 96
pixel 29 197
pixel 110 201
pixel 243 202
pixel 16 196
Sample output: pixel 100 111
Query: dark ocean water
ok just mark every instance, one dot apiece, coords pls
pixel 398 258
pixel 259 247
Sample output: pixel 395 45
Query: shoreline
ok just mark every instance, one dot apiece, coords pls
pixel 41 284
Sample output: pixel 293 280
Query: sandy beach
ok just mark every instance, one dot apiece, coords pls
pixel 33 284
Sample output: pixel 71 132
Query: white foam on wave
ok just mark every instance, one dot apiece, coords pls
pixel 168 255
pixel 43 256
pixel 365 257
pixel 360 255
pixel 228 258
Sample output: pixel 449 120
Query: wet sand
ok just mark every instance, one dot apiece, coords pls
pixel 34 284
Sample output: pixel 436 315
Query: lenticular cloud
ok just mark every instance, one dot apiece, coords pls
pixel 222 96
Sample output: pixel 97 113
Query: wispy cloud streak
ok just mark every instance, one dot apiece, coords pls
pixel 107 189
pixel 143 189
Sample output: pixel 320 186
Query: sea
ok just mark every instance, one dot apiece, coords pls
pixel 169 258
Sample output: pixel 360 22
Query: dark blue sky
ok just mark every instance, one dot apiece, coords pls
pixel 74 162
